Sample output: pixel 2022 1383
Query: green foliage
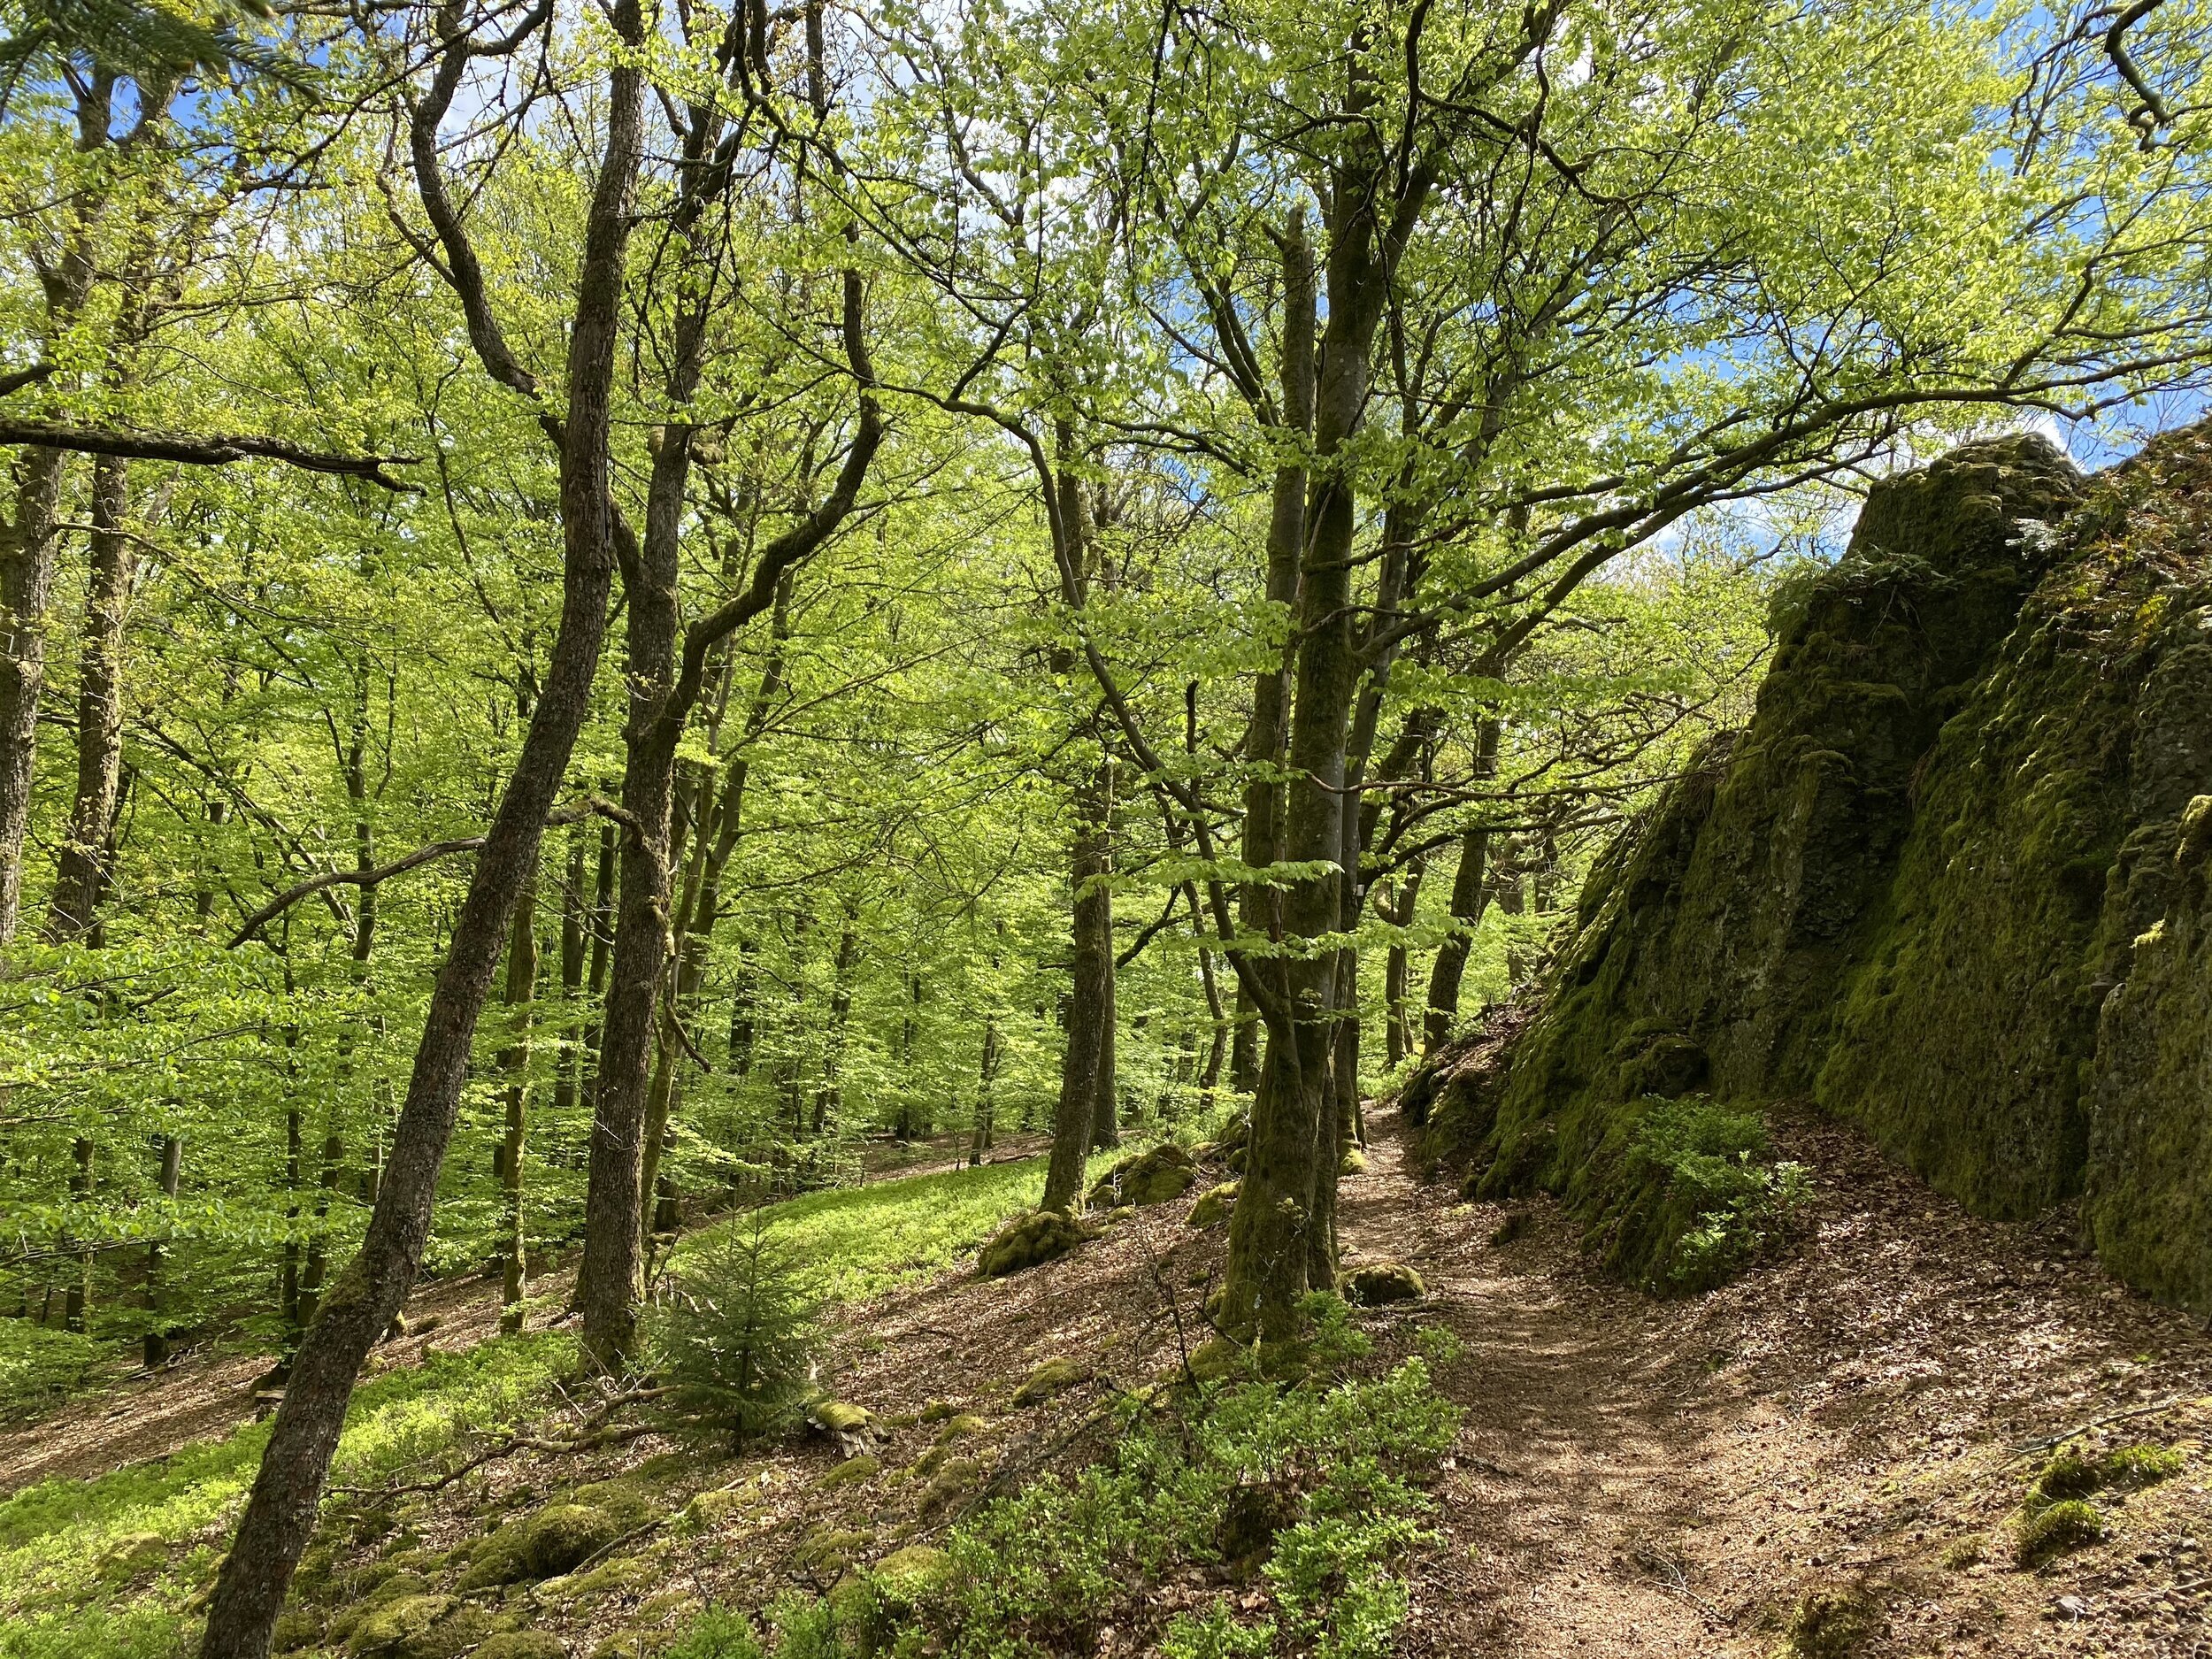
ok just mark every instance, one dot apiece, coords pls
pixel 1690 1198
pixel 59 1541
pixel 2074 1472
pixel 1030 1570
pixel 735 1332
pixel 41 1364
pixel 717 1634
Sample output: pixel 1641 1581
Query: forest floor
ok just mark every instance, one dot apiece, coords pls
pixel 1631 1476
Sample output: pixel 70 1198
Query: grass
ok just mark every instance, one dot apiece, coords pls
pixel 106 1569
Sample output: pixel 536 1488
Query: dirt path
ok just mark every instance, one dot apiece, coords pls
pixel 1660 1479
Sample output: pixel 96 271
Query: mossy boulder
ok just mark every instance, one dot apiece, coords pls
pixel 1381 1282
pixel 854 1471
pixel 523 1644
pixel 1053 1378
pixel 1156 1175
pixel 558 1537
pixel 297 1627
pixel 955 1478
pixel 959 1428
pixel 422 1626
pixel 1353 1163
pixel 829 1550
pixel 1834 1621
pixel 1213 1206
pixel 2055 1529
pixel 1029 1241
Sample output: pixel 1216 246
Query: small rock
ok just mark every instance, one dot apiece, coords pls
pixel 1383 1282
pixel 1030 1240
pixel 854 1471
pixel 1054 1377
pixel 1213 1206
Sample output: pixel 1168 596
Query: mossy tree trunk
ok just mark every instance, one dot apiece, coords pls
pixel 1090 1006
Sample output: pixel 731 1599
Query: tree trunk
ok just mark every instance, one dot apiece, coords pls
pixel 26 582
pixel 1397 977
pixel 979 1140
pixel 519 993
pixel 1471 892
pixel 81 874
pixel 156 1292
pixel 280 1516
pixel 77 1298
pixel 566 1061
pixel 1090 1004
pixel 1277 1235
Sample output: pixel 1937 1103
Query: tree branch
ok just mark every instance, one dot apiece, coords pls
pixel 197 450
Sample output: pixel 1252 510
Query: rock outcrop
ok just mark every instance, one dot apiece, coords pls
pixel 1948 883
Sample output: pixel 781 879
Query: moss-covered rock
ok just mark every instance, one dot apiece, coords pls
pixel 1028 1240
pixel 2055 1529
pixel 829 1550
pixel 524 1644
pixel 1834 1621
pixel 558 1537
pixel 854 1471
pixel 297 1627
pixel 1380 1282
pixel 1214 1205
pixel 1155 1176
pixel 953 1480
pixel 1950 883
pixel 422 1626
pixel 1053 1378
pixel 960 1427
pixel 1353 1163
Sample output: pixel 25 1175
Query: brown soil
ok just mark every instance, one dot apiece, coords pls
pixel 1634 1478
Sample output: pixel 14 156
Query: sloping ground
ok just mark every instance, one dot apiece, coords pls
pixel 1633 1477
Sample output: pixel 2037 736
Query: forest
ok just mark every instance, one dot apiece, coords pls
pixel 1090 797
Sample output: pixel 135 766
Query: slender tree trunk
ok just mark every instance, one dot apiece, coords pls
pixel 157 1290
pixel 1397 977
pixel 979 1139
pixel 520 992
pixel 279 1515
pixel 829 1099
pixel 1089 1006
pixel 77 1299
pixel 1471 892
pixel 81 874
pixel 602 955
pixel 1106 1108
pixel 566 1061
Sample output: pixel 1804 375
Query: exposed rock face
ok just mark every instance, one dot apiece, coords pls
pixel 1944 884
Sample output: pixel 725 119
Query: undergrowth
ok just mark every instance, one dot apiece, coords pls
pixel 1298 1506
pixel 1692 1197
pixel 107 1567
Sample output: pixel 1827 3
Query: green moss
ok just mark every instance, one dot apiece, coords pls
pixel 1050 1378
pixel 524 1644
pixel 854 1471
pixel 1213 1206
pixel 1383 1282
pixel 1029 1241
pixel 2073 1472
pixel 1834 1621
pixel 558 1537
pixel 2055 1529
pixel 1155 1176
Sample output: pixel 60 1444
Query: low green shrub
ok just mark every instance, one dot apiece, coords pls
pixel 736 1334
pixel 1690 1198
pixel 1030 1573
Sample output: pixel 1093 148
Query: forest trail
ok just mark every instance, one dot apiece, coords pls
pixel 1633 1477
pixel 1648 1478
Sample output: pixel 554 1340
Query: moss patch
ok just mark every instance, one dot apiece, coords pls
pixel 2055 1530
pixel 1029 1241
